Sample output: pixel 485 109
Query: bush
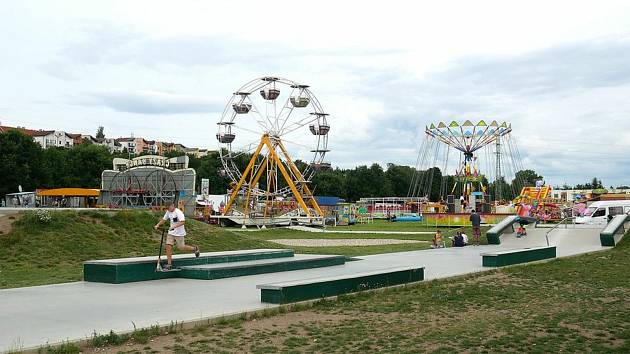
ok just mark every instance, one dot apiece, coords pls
pixel 64 348
pixel 112 338
pixel 43 216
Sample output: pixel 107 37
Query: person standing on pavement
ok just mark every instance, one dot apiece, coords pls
pixel 475 220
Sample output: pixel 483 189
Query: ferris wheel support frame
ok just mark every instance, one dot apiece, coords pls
pixel 296 171
pixel 265 141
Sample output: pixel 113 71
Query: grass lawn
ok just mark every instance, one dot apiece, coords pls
pixel 284 233
pixel 577 304
pixel 36 253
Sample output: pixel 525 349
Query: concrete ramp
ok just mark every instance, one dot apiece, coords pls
pixel 569 241
pixel 534 238
pixel 576 241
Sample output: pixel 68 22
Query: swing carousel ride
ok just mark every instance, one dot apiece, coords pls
pixel 273 137
pixel 483 160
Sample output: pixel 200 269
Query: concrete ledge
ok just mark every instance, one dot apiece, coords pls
pixel 493 235
pixel 614 231
pixel 315 288
pixel 218 271
pixel 516 256
pixel 125 270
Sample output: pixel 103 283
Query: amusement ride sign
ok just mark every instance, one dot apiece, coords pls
pixel 173 163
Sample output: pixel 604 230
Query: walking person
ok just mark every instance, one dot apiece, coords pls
pixel 176 234
pixel 475 220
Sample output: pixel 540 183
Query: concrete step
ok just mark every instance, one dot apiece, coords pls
pixel 239 269
pixel 502 258
pixel 317 288
pixel 125 270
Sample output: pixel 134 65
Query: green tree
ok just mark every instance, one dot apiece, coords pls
pixel 330 183
pixel 525 178
pixel 501 190
pixel 20 158
pixel 593 184
pixel 596 183
pixel 87 162
pixel 399 178
pixel 100 132
pixel 378 181
pixel 55 167
pixel 435 184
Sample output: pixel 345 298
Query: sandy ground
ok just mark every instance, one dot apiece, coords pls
pixel 6 220
pixel 319 242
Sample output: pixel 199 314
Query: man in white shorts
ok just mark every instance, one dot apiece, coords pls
pixel 176 234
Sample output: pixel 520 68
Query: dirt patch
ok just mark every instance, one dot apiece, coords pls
pixel 206 340
pixel 584 332
pixel 607 299
pixel 91 220
pixel 285 320
pixel 6 222
pixel 494 277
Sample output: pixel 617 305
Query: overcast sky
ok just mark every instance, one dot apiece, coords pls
pixel 558 71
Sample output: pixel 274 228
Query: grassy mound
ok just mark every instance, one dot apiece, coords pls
pixel 53 252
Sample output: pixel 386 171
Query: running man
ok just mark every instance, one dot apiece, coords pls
pixel 475 220
pixel 176 234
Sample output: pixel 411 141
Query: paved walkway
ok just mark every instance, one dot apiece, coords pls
pixel 37 315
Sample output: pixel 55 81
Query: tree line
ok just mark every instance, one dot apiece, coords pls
pixel 27 164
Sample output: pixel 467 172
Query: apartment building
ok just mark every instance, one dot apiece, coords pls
pixel 135 145
pixel 154 147
pixel 111 144
pixel 46 138
pixel 132 144
pixel 198 153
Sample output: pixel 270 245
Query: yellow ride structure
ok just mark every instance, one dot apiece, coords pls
pixel 301 191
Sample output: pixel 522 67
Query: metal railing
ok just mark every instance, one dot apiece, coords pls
pixel 563 221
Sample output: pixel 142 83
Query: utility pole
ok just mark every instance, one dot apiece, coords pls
pixel 498 194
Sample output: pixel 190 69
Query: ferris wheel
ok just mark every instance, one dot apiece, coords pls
pixel 266 122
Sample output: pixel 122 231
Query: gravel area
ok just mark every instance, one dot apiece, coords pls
pixel 337 231
pixel 325 242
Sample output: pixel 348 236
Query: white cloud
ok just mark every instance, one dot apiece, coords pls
pixel 152 102
pixel 383 71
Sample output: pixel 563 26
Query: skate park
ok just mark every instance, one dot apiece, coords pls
pixel 100 306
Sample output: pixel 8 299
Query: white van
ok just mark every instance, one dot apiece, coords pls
pixel 598 212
